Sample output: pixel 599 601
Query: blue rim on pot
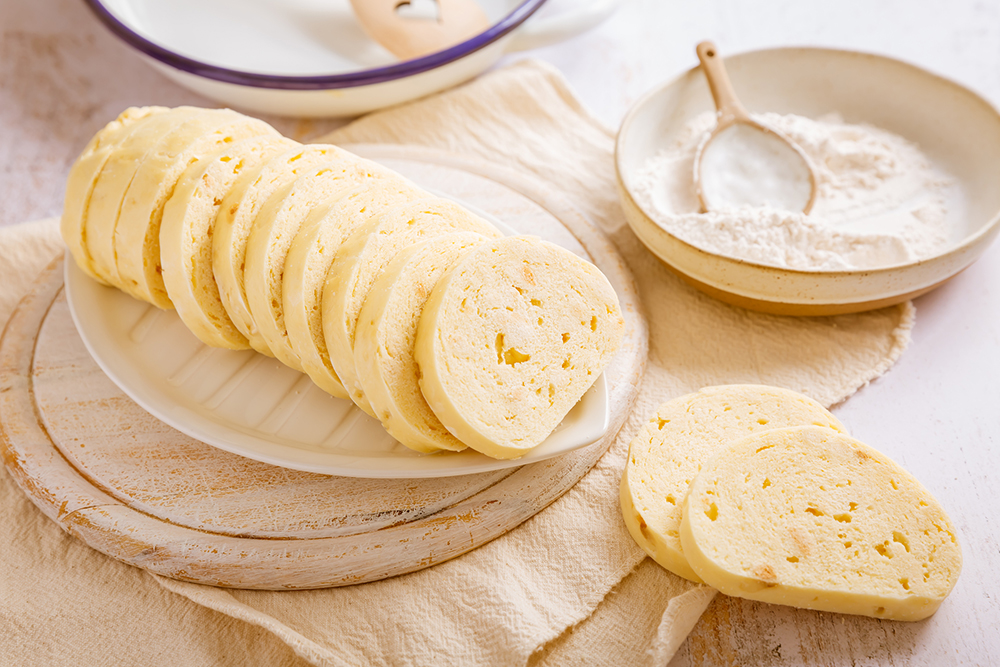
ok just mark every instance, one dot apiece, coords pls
pixel 324 82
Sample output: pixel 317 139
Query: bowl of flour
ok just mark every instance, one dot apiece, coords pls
pixel 906 167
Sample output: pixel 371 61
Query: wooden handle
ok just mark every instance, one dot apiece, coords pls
pixel 407 37
pixel 726 102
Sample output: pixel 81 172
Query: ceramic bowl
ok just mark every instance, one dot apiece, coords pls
pixel 310 57
pixel 957 129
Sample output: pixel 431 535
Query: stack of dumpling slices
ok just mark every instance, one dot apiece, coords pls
pixel 760 493
pixel 416 309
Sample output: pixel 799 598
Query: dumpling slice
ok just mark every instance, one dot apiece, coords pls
pixel 387 332
pixel 510 340
pixel 186 232
pixel 310 256
pixel 362 259
pixel 812 518
pixel 683 435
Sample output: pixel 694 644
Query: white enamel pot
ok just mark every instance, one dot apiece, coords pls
pixel 311 58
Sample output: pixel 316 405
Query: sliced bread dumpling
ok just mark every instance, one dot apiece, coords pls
pixel 186 232
pixel 364 256
pixel 137 233
pixel 308 262
pixel 511 338
pixel 812 518
pixel 83 176
pixel 235 221
pixel 274 231
pixel 680 438
pixel 387 332
pixel 113 182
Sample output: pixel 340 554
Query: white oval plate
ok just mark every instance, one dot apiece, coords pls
pixel 254 406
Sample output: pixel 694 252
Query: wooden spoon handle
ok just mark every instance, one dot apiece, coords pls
pixel 457 21
pixel 726 102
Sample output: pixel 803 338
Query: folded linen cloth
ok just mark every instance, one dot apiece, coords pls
pixel 568 586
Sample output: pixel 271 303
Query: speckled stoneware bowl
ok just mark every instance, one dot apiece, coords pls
pixel 957 129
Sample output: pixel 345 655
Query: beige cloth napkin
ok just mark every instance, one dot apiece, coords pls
pixel 567 587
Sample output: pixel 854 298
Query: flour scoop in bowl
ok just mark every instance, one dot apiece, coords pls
pixel 865 90
pixel 743 162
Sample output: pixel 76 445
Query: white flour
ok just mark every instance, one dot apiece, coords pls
pixel 879 200
pixel 744 166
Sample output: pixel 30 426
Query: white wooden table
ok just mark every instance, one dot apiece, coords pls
pixel 937 411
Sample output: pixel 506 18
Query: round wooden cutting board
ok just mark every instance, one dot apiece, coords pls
pixel 137 490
